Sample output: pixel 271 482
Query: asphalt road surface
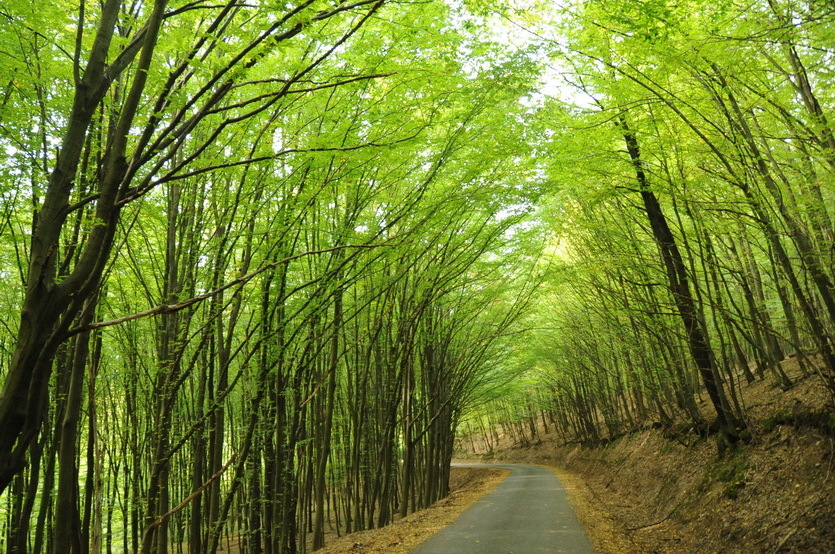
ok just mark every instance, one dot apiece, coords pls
pixel 528 512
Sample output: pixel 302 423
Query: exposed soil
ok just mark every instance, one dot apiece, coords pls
pixel 647 492
pixel 466 485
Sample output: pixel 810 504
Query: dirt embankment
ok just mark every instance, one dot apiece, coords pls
pixel 647 492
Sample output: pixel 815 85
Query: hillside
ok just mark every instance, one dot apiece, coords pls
pixel 667 493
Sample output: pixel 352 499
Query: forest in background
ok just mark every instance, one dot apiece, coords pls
pixel 261 260
pixel 691 198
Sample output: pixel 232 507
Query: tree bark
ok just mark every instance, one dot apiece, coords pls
pixel 679 285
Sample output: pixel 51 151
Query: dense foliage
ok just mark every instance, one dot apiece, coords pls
pixel 260 260
pixel 250 266
pixel 691 156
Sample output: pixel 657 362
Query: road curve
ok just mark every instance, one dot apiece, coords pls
pixel 528 512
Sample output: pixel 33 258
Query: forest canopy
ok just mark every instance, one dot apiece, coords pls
pixel 261 261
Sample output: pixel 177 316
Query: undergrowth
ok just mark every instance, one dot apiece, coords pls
pixel 823 421
pixel 731 472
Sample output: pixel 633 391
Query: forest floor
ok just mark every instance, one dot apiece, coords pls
pixel 648 492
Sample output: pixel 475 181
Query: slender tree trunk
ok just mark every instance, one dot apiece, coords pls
pixel 697 342
pixel 327 425
pixel 67 531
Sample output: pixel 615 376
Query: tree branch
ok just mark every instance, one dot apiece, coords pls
pixel 170 308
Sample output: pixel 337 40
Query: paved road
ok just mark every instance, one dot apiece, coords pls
pixel 528 512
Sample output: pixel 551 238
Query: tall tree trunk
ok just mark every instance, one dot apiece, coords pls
pixel 730 425
pixel 67 531
pixel 327 423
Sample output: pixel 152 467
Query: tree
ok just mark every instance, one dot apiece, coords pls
pixel 113 100
pixel 714 112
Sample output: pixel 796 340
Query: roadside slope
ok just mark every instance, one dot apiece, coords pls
pixel 666 494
